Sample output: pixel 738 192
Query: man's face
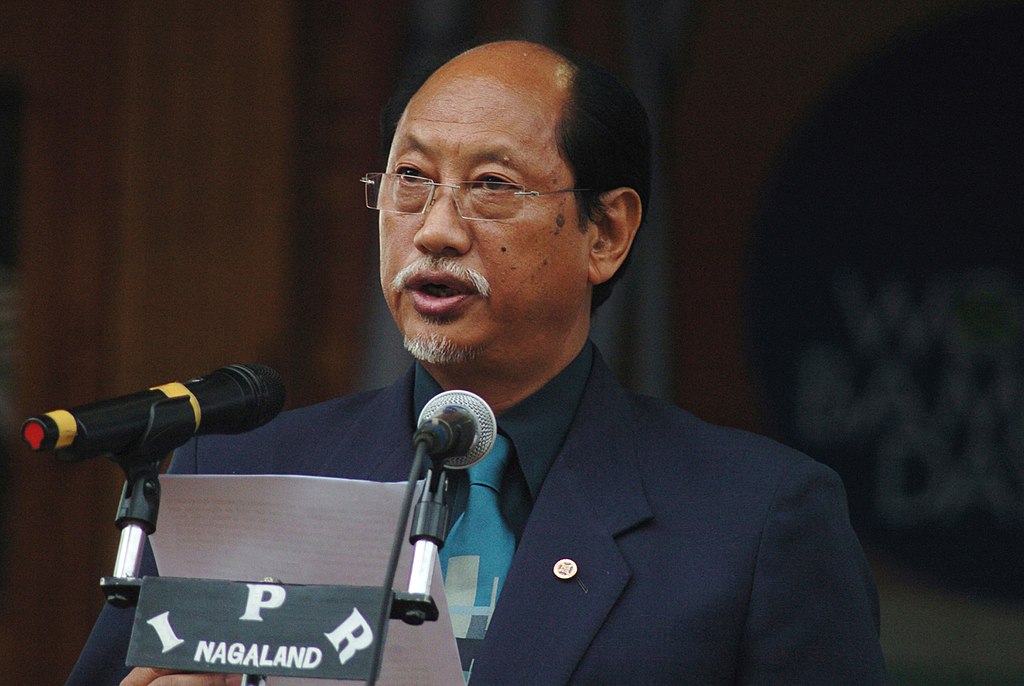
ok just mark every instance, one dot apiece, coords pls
pixel 490 115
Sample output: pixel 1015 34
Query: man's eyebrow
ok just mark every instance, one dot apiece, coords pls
pixel 499 154
pixel 411 142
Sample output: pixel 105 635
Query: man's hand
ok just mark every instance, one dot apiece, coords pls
pixel 142 676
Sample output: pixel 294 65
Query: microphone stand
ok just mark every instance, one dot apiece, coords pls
pixel 168 427
pixel 429 527
pixel 427 533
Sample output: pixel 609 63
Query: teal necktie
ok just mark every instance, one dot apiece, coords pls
pixel 479 548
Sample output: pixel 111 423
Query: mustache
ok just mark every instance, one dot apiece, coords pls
pixel 435 264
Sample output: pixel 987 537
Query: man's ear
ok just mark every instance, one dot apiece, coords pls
pixel 616 229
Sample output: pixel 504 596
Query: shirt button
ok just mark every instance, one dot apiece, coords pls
pixel 565 569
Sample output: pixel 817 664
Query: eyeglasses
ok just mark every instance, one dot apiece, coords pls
pixel 478 200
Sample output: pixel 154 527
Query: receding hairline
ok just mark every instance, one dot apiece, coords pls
pixel 564 69
pixel 513 52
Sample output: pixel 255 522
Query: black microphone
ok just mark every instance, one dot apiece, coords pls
pixel 457 427
pixel 232 399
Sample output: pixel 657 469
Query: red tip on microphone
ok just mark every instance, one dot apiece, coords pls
pixel 49 431
pixel 34 434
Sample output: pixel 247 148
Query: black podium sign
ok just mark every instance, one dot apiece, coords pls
pixel 205 625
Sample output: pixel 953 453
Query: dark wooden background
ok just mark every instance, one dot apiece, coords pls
pixel 189 198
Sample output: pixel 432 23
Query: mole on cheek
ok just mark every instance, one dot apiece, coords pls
pixel 560 220
pixel 504 249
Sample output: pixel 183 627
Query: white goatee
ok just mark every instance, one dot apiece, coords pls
pixel 436 348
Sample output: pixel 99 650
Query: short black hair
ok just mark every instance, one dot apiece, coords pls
pixel 604 134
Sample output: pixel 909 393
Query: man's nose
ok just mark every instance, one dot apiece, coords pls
pixel 443 231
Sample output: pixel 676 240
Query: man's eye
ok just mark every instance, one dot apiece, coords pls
pixel 409 177
pixel 492 184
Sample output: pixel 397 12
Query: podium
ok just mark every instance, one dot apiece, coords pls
pixel 262 627
pixel 228 617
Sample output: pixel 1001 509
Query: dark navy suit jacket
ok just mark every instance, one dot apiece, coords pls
pixel 705 555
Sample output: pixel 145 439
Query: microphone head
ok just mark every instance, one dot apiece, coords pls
pixel 484 424
pixel 267 387
pixel 254 395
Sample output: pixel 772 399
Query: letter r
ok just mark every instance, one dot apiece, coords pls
pixel 261 597
pixel 354 632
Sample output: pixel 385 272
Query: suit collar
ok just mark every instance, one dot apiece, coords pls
pixel 592 494
pixel 601 453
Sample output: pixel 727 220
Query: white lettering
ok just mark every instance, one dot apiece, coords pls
pixel 204 651
pixel 252 657
pixel 354 632
pixel 162 624
pixel 313 657
pixel 261 597
pixel 236 652
pixel 258 655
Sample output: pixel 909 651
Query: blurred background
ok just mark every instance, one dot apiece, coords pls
pixel 833 257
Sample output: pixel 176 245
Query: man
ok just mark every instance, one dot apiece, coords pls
pixel 650 548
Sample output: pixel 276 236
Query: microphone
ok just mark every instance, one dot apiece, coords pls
pixel 232 399
pixel 457 427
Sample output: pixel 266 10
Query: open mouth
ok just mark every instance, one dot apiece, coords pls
pixel 439 290
pixel 436 285
pixel 439 296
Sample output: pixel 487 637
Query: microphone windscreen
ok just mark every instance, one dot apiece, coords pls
pixel 267 389
pixel 483 417
pixel 237 398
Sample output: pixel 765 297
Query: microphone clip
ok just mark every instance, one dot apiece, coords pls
pixel 137 511
pixel 166 429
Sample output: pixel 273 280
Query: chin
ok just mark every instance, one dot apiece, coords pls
pixel 435 348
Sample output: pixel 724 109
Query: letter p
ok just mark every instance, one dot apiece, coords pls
pixel 262 597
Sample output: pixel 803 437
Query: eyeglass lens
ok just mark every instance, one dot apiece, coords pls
pixel 474 200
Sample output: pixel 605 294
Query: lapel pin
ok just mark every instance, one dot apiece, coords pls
pixel 565 569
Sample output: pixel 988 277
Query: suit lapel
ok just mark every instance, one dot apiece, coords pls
pixel 542 624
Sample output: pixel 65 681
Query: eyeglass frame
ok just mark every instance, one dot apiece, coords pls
pixel 434 185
